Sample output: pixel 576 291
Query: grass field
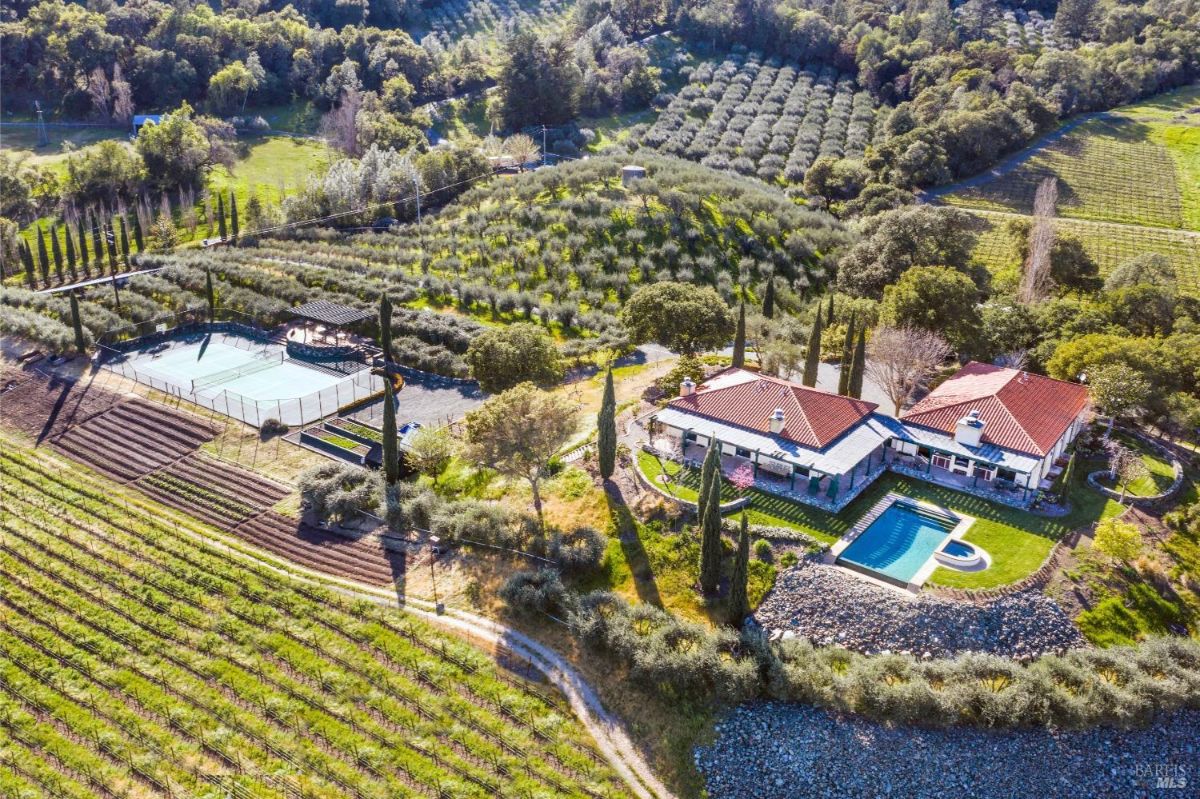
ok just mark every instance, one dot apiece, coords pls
pixel 1017 541
pixel 63 140
pixel 1139 165
pixel 1108 244
pixel 137 659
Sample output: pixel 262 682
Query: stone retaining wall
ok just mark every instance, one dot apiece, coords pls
pixel 687 505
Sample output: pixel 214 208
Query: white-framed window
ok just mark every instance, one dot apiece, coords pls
pixel 941 460
pixel 984 471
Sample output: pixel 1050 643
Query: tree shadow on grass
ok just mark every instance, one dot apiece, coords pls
pixel 631 545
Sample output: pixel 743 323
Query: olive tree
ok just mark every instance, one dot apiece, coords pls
pixel 681 317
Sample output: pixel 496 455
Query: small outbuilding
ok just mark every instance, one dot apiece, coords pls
pixel 631 173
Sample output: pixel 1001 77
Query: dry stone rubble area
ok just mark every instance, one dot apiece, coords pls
pixel 832 607
pixel 800 751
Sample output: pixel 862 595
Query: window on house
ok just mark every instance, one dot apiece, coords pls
pixel 941 461
pixel 689 436
pixel 1006 474
pixel 742 452
pixel 802 471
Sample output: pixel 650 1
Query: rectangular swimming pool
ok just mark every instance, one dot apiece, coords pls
pixel 897 544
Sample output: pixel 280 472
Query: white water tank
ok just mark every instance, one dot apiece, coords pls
pixel 631 173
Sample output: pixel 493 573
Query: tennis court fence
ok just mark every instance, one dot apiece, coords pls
pixel 294 411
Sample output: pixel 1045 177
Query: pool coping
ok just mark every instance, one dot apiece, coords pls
pixel 867 519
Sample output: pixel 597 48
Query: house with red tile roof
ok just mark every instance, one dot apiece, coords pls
pixel 994 426
pixel 988 430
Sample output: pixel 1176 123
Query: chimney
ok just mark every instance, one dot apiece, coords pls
pixel 687 387
pixel 969 431
pixel 777 421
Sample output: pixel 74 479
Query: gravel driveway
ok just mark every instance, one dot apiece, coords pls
pixel 773 751
pixel 830 606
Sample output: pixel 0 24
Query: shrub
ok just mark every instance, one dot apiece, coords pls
pixel 532 593
pixel 579 550
pixel 789 559
pixel 272 427
pixel 762 550
pixel 339 491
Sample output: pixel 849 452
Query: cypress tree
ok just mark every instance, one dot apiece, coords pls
pixel 812 359
pixel 606 429
pixel 858 364
pixel 70 241
pixel 710 541
pixel 211 294
pixel 739 338
pixel 43 258
pixel 385 326
pixel 712 462
pixel 137 231
pixel 769 298
pixel 739 597
pixel 97 247
pixel 391 454
pixel 83 248
pixel 829 313
pixel 847 354
pixel 110 239
pixel 77 324
pixel 56 250
pixel 221 216
pixel 124 241
pixel 27 259
pixel 233 219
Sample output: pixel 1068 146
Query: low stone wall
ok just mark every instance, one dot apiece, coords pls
pixel 686 504
pixel 1145 502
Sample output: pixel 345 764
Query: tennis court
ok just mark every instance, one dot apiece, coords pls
pixel 244 378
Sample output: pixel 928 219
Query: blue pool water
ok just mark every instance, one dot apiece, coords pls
pixel 899 542
pixel 958 549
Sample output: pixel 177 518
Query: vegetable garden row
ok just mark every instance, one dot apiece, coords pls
pixel 763 118
pixel 138 660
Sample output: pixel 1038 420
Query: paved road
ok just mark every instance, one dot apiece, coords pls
pixel 1016 159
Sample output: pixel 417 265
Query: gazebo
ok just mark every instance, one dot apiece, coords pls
pixel 324 322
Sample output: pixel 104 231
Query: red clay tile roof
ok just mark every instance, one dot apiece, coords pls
pixel 1022 411
pixel 812 418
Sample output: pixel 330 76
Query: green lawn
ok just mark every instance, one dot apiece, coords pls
pixel 271 166
pixel 1017 541
pixel 1159 472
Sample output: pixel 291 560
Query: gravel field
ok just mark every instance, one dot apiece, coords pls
pixel 773 751
pixel 830 606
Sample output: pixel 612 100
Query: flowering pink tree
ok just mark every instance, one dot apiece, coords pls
pixel 742 477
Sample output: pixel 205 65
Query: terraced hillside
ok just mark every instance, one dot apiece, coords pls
pixel 138 659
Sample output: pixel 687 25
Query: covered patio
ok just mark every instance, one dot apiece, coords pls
pixel 987 471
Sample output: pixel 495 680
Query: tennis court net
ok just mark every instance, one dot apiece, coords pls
pixel 260 364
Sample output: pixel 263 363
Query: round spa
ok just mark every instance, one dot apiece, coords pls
pixel 959 555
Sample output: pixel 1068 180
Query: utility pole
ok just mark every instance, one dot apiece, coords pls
pixel 543 145
pixel 43 139
pixel 417 186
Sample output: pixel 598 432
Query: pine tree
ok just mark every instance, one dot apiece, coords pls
pixel 211 294
pixel 391 453
pixel 43 258
pixel 56 251
pixel 385 327
pixel 221 216
pixel 858 365
pixel 27 259
pixel 812 358
pixel 847 354
pixel 233 216
pixel 124 241
pixel 829 313
pixel 70 242
pixel 137 232
pixel 84 258
pixel 606 429
pixel 77 324
pixel 710 541
pixel 712 462
pixel 739 598
pixel 739 338
pixel 769 298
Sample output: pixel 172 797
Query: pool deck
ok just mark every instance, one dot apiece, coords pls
pixel 914 585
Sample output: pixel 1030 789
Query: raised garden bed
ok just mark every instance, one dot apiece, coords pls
pixel 340 446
